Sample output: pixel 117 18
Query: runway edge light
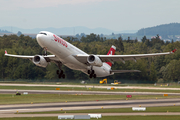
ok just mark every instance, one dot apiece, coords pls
pixel 57 88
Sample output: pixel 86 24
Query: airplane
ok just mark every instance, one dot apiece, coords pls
pixel 64 53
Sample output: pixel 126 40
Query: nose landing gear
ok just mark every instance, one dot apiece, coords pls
pixel 45 51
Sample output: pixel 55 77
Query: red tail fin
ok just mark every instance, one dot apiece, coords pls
pixel 111 52
pixel 5 52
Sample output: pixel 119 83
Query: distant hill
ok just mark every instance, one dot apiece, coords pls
pixel 67 30
pixel 4 31
pixel 163 30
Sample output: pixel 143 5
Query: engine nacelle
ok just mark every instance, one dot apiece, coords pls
pixel 94 60
pixel 40 61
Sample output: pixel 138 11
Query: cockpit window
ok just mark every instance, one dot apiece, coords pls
pixel 43 33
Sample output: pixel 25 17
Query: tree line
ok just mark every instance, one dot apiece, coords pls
pixel 165 68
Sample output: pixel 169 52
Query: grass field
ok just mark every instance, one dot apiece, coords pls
pixel 46 98
pixel 85 89
pixel 107 118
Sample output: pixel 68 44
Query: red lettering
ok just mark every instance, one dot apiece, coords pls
pixel 59 40
pixel 63 42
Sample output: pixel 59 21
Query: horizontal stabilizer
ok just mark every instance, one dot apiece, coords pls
pixel 124 71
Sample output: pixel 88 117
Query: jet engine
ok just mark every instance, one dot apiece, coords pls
pixel 40 61
pixel 94 60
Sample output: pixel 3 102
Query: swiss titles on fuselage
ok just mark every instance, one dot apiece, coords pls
pixel 60 40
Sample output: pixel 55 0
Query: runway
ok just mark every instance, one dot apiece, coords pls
pixel 103 114
pixel 87 105
pixel 9 110
pixel 7 91
pixel 93 86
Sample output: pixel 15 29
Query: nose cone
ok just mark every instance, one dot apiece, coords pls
pixel 39 38
pixel 42 40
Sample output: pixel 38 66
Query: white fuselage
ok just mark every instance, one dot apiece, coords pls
pixel 64 51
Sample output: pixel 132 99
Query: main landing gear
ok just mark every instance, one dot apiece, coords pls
pixel 91 73
pixel 60 72
pixel 59 64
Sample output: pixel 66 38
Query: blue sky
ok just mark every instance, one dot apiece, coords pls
pixel 116 15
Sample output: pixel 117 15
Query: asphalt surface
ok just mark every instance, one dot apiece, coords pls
pixel 87 105
pixel 7 91
pixel 103 114
pixel 101 103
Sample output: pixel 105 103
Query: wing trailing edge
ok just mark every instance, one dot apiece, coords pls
pixel 124 71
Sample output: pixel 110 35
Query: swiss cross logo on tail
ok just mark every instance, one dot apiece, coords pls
pixel 5 52
pixel 111 52
pixel 173 51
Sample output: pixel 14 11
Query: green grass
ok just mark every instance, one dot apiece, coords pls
pixel 115 110
pixel 46 98
pixel 83 88
pixel 152 117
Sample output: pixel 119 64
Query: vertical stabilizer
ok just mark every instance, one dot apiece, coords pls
pixel 6 52
pixel 111 52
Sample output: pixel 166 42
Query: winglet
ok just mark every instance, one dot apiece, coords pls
pixel 174 51
pixel 6 52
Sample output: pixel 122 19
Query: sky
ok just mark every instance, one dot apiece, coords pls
pixel 117 15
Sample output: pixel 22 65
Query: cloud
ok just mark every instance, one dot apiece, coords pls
pixel 16 4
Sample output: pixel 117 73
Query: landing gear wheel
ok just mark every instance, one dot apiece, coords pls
pixel 90 75
pixel 89 71
pixel 94 75
pixel 59 76
pixel 61 72
pixel 63 76
pixel 57 72
pixel 92 72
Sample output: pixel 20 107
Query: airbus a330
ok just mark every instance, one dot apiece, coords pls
pixel 64 53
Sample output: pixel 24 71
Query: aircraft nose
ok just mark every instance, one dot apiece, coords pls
pixel 42 40
pixel 39 38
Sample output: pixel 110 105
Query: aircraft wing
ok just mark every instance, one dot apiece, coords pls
pixel 123 71
pixel 123 58
pixel 51 57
